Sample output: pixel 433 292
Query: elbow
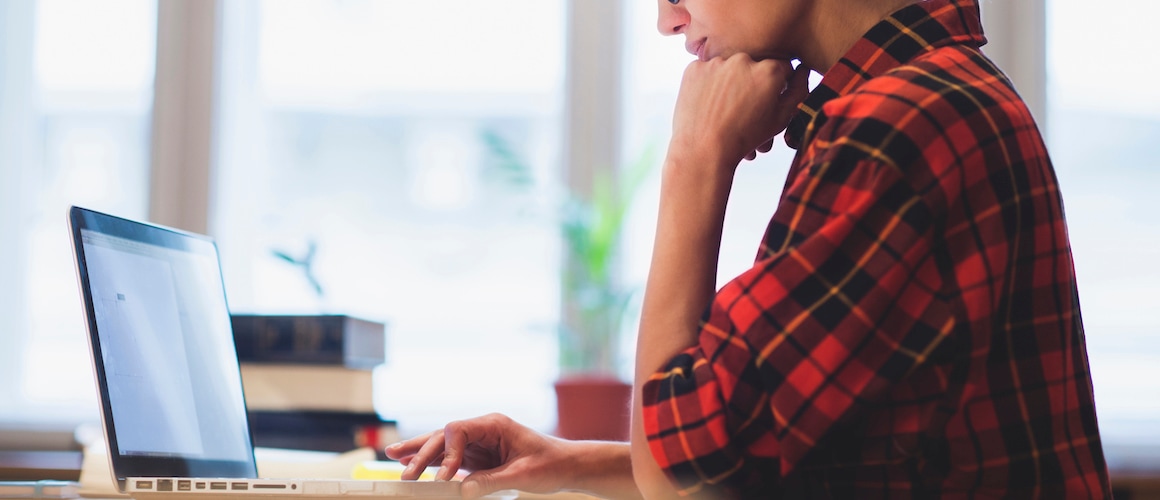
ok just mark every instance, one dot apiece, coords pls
pixel 650 479
pixel 648 476
pixel 652 487
pixel 656 492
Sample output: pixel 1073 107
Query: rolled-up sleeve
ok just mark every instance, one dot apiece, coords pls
pixel 842 303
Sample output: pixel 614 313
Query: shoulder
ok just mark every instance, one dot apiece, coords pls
pixel 950 99
pixel 945 84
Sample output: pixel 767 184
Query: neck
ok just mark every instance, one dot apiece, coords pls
pixel 839 24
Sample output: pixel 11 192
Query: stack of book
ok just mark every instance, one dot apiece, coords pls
pixel 308 381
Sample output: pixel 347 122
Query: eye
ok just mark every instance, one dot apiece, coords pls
pixel 674 2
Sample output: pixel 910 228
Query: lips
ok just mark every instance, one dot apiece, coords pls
pixel 697 48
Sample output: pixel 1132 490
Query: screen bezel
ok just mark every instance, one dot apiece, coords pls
pixel 125 466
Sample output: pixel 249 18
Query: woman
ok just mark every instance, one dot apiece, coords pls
pixel 911 326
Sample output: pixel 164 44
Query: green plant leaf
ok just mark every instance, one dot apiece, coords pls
pixel 592 228
pixel 504 164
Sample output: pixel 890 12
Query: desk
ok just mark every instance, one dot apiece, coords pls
pixel 272 463
pixel 1133 469
pixel 528 496
pixel 522 495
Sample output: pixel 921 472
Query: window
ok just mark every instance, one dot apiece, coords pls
pixel 372 133
pixel 75 93
pixel 412 104
pixel 1103 125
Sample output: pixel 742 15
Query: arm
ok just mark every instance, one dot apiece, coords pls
pixel 502 454
pixel 603 469
pixel 843 305
pixel 681 281
pixel 726 110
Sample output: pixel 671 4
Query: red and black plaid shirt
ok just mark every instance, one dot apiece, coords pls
pixel 911 327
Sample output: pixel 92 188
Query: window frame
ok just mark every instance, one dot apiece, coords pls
pixel 1017 42
pixel 18 122
pixel 185 112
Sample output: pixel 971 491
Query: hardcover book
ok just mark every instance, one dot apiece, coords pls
pixel 307 387
pixel 321 431
pixel 309 339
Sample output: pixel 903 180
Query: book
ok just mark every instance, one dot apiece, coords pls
pixel 380 470
pixel 39 489
pixel 309 339
pixel 28 465
pixel 307 387
pixel 321 430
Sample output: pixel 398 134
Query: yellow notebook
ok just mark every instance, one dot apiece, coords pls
pixel 388 471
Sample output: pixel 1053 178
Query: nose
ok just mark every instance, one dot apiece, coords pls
pixel 671 19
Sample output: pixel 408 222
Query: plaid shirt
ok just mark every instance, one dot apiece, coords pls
pixel 911 327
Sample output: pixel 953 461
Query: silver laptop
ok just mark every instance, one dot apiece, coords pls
pixel 172 408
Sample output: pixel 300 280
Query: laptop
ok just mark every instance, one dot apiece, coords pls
pixel 172 405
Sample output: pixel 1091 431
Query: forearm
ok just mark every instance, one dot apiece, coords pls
pixel 681 283
pixel 602 468
pixel 682 276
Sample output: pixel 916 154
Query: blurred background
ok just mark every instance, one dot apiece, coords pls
pixel 423 148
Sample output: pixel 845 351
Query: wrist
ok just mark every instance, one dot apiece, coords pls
pixel 705 157
pixel 721 154
pixel 694 190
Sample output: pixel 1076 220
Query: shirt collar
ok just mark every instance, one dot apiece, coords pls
pixel 894 41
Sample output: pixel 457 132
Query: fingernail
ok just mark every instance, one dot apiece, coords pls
pixel 410 468
pixel 442 474
pixel 394 446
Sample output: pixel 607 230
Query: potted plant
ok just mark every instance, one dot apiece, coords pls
pixel 592 399
pixel 595 298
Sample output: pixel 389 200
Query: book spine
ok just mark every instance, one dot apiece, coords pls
pixel 320 340
pixel 321 431
pixel 301 387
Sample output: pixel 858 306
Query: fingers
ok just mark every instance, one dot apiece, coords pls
pixel 486 438
pixel 736 106
pixel 500 453
pixel 428 454
pixel 764 148
pixel 797 88
pixel 799 85
pixel 449 447
pixel 405 452
pixel 726 108
pixel 403 449
pixel 457 435
pixel 795 92
pixel 436 461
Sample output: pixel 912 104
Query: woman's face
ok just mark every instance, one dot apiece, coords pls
pixel 764 29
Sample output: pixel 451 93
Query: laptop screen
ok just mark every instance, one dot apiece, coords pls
pixel 166 363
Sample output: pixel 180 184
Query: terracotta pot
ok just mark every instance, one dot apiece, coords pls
pixel 593 407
